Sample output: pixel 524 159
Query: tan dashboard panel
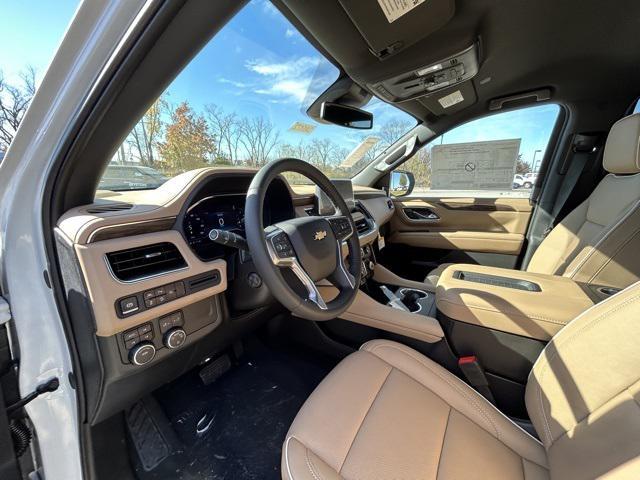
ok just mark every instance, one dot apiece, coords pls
pixel 492 225
pixel 534 314
pixel 104 289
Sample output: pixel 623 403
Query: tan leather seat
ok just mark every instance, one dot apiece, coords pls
pixel 388 412
pixel 597 242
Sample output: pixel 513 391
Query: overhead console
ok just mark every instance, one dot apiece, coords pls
pixel 431 78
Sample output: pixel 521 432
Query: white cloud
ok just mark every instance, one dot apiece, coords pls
pixel 289 80
pixel 233 82
pixel 290 32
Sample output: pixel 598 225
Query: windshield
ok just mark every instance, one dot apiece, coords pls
pixel 242 102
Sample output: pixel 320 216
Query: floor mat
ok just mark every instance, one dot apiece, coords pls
pixel 234 428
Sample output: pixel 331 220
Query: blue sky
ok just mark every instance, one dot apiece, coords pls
pixel 257 65
pixel 30 33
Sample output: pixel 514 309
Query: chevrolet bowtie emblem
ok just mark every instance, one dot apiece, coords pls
pixel 320 235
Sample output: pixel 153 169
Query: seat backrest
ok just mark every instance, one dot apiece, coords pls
pixel 583 394
pixel 597 242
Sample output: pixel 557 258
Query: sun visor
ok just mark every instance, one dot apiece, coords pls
pixel 450 100
pixel 389 26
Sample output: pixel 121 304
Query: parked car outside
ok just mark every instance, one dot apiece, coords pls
pixel 131 177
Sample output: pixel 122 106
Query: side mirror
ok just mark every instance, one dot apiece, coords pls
pixel 401 183
pixel 346 116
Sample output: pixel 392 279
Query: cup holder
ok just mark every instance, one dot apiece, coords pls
pixel 411 298
pixel 608 291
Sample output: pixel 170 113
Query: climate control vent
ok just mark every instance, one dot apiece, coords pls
pixel 109 207
pixel 363 226
pixel 136 263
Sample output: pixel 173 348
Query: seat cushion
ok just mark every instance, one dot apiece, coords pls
pixel 431 280
pixel 388 412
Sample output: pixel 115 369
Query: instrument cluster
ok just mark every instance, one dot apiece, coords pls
pixel 224 212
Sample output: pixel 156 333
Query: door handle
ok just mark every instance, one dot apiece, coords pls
pixel 424 214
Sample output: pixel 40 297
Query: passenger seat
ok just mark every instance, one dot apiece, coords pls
pixel 599 241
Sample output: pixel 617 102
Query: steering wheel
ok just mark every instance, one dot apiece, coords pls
pixel 310 247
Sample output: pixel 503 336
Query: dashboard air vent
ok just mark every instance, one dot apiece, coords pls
pixel 136 263
pixel 362 225
pixel 109 207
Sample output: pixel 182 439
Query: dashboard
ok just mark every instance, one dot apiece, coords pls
pixel 159 289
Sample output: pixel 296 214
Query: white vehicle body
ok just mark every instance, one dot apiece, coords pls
pixel 93 42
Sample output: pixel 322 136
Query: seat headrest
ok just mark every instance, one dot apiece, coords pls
pixel 622 150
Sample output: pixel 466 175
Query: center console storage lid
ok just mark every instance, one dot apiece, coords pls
pixel 528 304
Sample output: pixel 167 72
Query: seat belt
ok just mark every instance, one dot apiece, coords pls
pixel 585 147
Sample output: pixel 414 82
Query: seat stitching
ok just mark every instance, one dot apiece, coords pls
pixel 363 420
pixel 474 402
pixel 310 466
pixel 604 235
pixel 610 259
pixel 444 436
pixel 544 368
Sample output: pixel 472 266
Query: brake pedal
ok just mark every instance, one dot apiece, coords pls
pixel 215 369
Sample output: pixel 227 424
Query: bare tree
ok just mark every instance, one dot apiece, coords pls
pixel 226 128
pixel 322 153
pixel 14 101
pixel 259 139
pixel 145 136
pixel 301 151
pixel 388 133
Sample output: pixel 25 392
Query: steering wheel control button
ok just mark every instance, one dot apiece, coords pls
pixel 282 246
pixel 175 338
pixel 129 306
pixel 142 353
pixel 341 227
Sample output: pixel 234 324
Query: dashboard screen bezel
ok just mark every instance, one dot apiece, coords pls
pixel 345 189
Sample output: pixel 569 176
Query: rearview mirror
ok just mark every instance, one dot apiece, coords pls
pixel 346 116
pixel 401 183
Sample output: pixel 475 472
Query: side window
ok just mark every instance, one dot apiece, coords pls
pixel 494 156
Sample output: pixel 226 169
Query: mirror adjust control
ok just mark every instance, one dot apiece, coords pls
pixel 142 353
pixel 175 338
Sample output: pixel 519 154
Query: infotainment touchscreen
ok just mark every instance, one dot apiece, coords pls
pixel 345 189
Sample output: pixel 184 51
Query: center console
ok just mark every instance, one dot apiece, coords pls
pixel 531 305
